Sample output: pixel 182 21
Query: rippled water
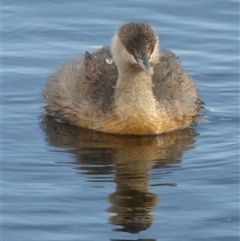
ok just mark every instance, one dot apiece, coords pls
pixel 60 182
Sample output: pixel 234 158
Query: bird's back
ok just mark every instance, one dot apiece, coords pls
pixel 82 88
pixel 173 88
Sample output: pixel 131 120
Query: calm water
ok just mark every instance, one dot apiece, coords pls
pixel 64 183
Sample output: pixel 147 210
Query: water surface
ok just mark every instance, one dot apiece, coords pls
pixel 65 183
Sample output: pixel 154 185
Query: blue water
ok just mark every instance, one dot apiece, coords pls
pixel 64 183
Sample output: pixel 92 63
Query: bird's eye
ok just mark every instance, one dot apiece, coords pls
pixel 130 50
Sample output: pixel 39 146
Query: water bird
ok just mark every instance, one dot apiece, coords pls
pixel 130 87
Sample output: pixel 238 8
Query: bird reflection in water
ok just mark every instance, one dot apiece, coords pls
pixel 130 158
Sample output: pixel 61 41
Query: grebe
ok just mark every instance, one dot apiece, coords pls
pixel 131 87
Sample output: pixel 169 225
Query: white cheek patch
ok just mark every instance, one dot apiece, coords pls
pixel 119 52
pixel 130 58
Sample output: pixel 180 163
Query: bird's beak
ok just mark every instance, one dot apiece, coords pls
pixel 144 63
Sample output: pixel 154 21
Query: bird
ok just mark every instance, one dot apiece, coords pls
pixel 131 86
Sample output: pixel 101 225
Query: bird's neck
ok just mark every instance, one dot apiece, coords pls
pixel 134 96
